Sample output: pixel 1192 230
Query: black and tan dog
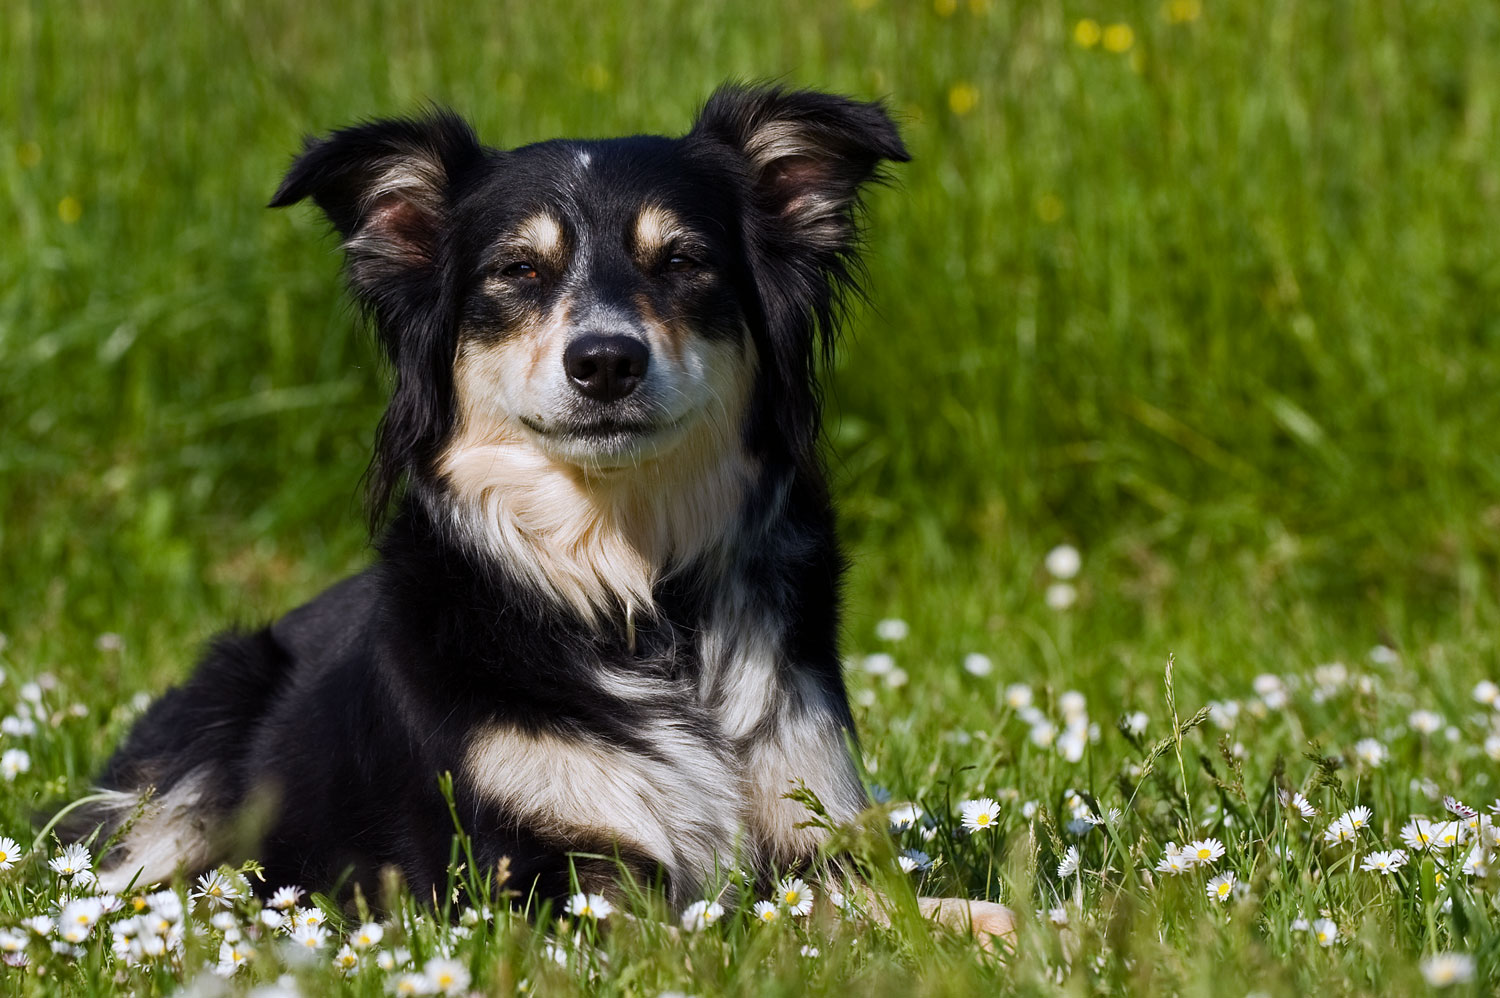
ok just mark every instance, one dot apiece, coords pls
pixel 607 595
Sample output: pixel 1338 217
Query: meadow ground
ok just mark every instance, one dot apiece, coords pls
pixel 1205 290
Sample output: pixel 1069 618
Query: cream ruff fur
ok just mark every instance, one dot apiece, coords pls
pixel 595 539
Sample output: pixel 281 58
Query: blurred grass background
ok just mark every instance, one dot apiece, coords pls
pixel 1211 290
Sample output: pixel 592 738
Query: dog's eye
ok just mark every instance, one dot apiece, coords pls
pixel 679 263
pixel 519 271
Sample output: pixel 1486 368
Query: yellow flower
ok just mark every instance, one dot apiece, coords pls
pixel 962 97
pixel 596 77
pixel 1086 32
pixel 1118 38
pixel 29 154
pixel 945 8
pixel 69 209
pixel 1182 11
pixel 1049 208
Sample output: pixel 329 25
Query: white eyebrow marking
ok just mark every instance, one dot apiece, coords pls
pixel 655 227
pixel 543 232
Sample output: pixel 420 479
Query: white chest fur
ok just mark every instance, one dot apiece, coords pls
pixel 710 790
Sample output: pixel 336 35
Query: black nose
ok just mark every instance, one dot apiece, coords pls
pixel 606 368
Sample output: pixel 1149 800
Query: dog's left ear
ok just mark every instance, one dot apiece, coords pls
pixel 388 187
pixel 808 154
pixel 385 186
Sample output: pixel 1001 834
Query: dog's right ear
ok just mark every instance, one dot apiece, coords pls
pixel 385 186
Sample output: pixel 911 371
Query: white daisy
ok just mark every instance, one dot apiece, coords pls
pixel 10 853
pixel 1063 562
pixel 14 762
pixel 795 896
pixel 1424 722
pixel 1325 932
pixel 311 937
pixel 1072 742
pixel 411 984
pixel 1224 713
pixel 1205 851
pixel 446 976
pixel 1018 696
pixel 892 629
pixel 1294 801
pixel 1331 674
pixel 1384 862
pixel 1271 689
pixel 232 956
pixel 1478 863
pixel 12 941
pixel 979 814
pixel 1447 834
pixel 346 959
pixel 1339 831
pixel 216 888
pixel 589 906
pixel 1175 860
pixel 1443 969
pixel 879 664
pixel 1487 693
pixel 17 726
pixel 1068 865
pixel 1221 887
pixel 1417 834
pixel 306 918
pixel 367 935
pixel 286 898
pixel 765 911
pixel 1061 596
pixel 701 914
pixel 1371 752
pixel 976 664
pixel 1043 734
pixel 1136 722
pixel 72 862
pixel 903 816
pixel 1357 817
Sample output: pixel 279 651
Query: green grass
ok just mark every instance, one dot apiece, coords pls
pixel 1220 310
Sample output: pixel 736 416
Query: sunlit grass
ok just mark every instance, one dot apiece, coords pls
pixel 1204 289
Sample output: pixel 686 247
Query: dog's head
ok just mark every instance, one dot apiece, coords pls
pixel 599 300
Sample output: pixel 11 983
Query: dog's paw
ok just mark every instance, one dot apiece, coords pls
pixel 987 920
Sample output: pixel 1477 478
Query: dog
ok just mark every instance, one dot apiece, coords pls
pixel 607 593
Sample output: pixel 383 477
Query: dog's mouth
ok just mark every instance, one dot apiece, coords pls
pixel 607 442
